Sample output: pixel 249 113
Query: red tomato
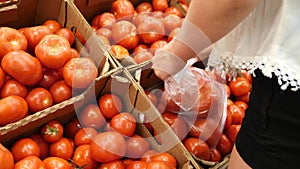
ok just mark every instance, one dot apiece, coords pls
pixel 198 147
pixel 25 147
pixel 177 123
pixel 13 87
pixel 215 155
pixel 2 77
pixel 171 22
pixel 119 51
pixel 53 25
pixel 106 32
pixel 31 162
pixel 159 165
pixel 140 47
pixel 75 53
pixel 137 165
pixel 82 157
pixel 6 158
pixel 72 127
pixel 229 102
pixel 12 109
pixel 56 163
pixel 136 146
pixel 144 7
pixel 172 34
pixel 23 67
pixel 124 123
pixel 50 76
pixel 52 131
pixel 124 33
pixel 147 156
pixel 60 91
pixel 232 132
pixel 67 34
pixel 126 162
pixel 244 98
pixel 44 146
pixel 173 10
pixel 224 145
pixel 53 51
pixel 246 75
pixel 237 113
pixel 84 136
pixel 122 8
pixel 158 14
pixel 80 72
pixel 108 146
pixel 241 104
pixel 160 5
pixel 11 39
pixel 110 105
pixel 151 30
pixel 35 34
pixel 228 120
pixel 227 88
pixel 104 40
pixel 240 86
pixel 142 56
pixel 91 116
pixel 138 18
pixel 157 45
pixel 80 37
pixel 39 99
pixel 104 20
pixel 166 157
pixel 63 148
pixel 117 164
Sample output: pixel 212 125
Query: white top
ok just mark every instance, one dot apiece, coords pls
pixel 268 39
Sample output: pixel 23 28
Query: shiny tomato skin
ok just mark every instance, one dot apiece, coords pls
pixel 137 165
pixel 80 72
pixel 6 158
pixel 84 136
pixel 165 157
pixel 232 132
pixel 82 157
pixel 122 8
pixel 215 155
pixel 228 120
pixel 91 116
pixel 106 32
pixel 172 34
pixel 241 104
pixel 224 145
pixel 119 51
pixel 23 67
pixel 105 19
pixel 25 147
pixel 31 162
pixel 177 123
pixel 34 35
pixel 12 109
pixel 44 146
pixel 110 105
pixel 157 45
pixel 80 37
pixel 13 87
pixel 50 76
pixel 11 39
pixel 147 156
pixel 140 47
pixel 56 163
pixel 160 5
pixel 173 10
pixel 67 34
pixel 240 86
pixel 159 165
pixel 245 98
pixel 63 148
pixel 53 51
pixel 136 146
pixel 75 53
pixel 53 25
pixel 151 30
pixel 198 147
pixel 124 123
pixel 237 112
pixel 117 164
pixel 171 22
pixel 72 127
pixel 52 131
pixel 144 7
pixel 108 146
pixel 60 91
pixel 39 99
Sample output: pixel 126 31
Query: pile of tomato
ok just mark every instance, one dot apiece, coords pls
pixel 39 68
pixel 101 136
pixel 137 31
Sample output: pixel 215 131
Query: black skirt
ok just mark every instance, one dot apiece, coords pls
pixel 270 132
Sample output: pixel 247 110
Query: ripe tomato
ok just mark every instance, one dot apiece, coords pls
pixel 53 25
pixel 57 163
pixel 67 34
pixel 137 165
pixel 39 99
pixel 12 109
pixel 34 35
pixel 228 92
pixel 72 127
pixel 151 30
pixel 75 53
pixel 136 146
pixel 232 132
pixel 117 164
pixel 241 104
pixel 247 76
pixel 138 18
pixel 166 157
pixel 159 165
pixel 124 123
pixel 147 156
pixel 124 33
pixel 13 87
pixel 173 10
pixel 144 7
pixel 172 34
pixel 215 155
pixel 237 113
pixel 122 8
pixel 106 32
pixel 82 157
pixel 50 76
pixel 110 105
pixel 244 98
pixel 119 51
pixel 198 147
pixel 240 86
pixel 91 116
pixel 80 37
pixel 80 72
pixel 11 39
pixel 52 131
pixel 60 91
pixel 23 67
pixel 6 158
pixel 105 19
pixel 31 162
pixel 44 146
pixel 53 51
pixel 160 5
pixel 63 148
pixel 108 146
pixel 157 45
pixel 126 161
pixel 142 56
pixel 228 120
pixel 140 47
pixel 25 147
pixel 171 22
pixel 177 123
pixel 84 136
pixel 224 145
